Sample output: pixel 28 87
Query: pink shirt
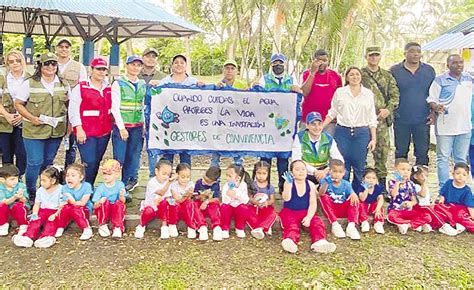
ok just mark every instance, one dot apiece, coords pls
pixel 321 93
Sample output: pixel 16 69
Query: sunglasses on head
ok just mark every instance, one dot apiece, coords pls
pixel 12 61
pixel 101 68
pixel 50 62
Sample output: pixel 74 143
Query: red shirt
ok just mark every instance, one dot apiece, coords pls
pixel 321 93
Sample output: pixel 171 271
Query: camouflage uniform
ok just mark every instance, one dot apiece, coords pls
pixel 386 97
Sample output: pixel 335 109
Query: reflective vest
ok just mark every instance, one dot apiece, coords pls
pixel 273 83
pixel 321 156
pixel 95 110
pixel 41 102
pixel 7 102
pixel 71 73
pixel 131 101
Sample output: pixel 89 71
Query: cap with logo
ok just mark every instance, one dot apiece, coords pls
pixel 134 57
pixel 47 57
pixel 99 62
pixel 278 56
pixel 313 116
pixel 373 50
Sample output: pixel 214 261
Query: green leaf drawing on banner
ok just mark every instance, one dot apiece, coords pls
pixel 167 143
pixel 282 134
pixel 166 133
pixel 154 126
pixel 271 115
pixel 157 138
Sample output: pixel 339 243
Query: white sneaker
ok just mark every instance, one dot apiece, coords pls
pixel 403 229
pixel 337 230
pixel 460 228
pixel 140 232
pixel 104 230
pixel 289 246
pixel 22 229
pixel 240 233
pixel 419 229
pixel 165 233
pixel 22 241
pixel 203 234
pixel 173 231
pixel 4 229
pixel 323 246
pixel 225 234
pixel 117 233
pixel 59 232
pixel 378 227
pixel 191 233
pixel 269 232
pixel 258 233
pixel 45 242
pixel 217 233
pixel 86 234
pixel 447 229
pixel 427 228
pixel 364 227
pixel 352 232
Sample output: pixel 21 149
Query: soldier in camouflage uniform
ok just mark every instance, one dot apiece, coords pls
pixel 384 87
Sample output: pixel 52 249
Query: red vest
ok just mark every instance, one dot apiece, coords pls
pixel 95 110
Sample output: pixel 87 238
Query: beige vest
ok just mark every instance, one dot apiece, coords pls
pixel 71 73
pixel 7 103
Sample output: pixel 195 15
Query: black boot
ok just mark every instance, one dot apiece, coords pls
pixel 383 185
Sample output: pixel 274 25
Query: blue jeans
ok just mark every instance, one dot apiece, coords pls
pixel 11 144
pixel 70 152
pixel 40 153
pixel 419 133
pixel 471 158
pixel 456 146
pixel 183 158
pixel 129 152
pixel 352 144
pixel 216 158
pixel 152 159
pixel 282 167
pixel 91 154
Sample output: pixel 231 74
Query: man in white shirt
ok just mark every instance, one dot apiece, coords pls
pixel 450 97
pixel 315 147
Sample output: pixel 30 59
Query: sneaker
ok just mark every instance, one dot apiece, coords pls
pixel 337 230
pixel 364 227
pixel 225 234
pixel 104 231
pixel 131 185
pixel 378 227
pixel 173 231
pixel 460 228
pixel 191 233
pixel 419 229
pixel 217 234
pixel 427 228
pixel 22 241
pixel 289 246
pixel 86 234
pixel 240 233
pixel 59 232
pixel 22 229
pixel 128 198
pixel 140 232
pixel 4 229
pixel 403 229
pixel 45 242
pixel 352 232
pixel 165 233
pixel 203 234
pixel 258 233
pixel 269 232
pixel 447 229
pixel 323 246
pixel 117 233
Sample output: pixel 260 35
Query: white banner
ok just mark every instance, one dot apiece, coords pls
pixel 222 120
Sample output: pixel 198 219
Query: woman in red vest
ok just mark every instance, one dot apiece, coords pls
pixel 90 116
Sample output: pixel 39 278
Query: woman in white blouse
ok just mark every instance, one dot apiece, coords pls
pixel 11 140
pixel 354 108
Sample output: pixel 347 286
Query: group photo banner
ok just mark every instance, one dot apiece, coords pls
pixel 203 120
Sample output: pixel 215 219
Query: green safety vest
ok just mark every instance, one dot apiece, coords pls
pixel 131 101
pixel 7 103
pixel 41 102
pixel 272 83
pixel 322 156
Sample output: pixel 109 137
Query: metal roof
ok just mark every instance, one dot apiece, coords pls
pixel 92 18
pixel 457 37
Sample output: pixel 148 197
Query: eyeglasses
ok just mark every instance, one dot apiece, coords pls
pixel 50 62
pixel 101 68
pixel 12 61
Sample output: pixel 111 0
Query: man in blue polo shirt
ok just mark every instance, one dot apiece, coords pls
pixel 412 118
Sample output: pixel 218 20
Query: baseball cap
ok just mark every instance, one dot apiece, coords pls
pixel 313 116
pixel 278 56
pixel 64 40
pixel 150 50
pixel 373 50
pixel 134 57
pixel 230 61
pixel 47 57
pixel 98 62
